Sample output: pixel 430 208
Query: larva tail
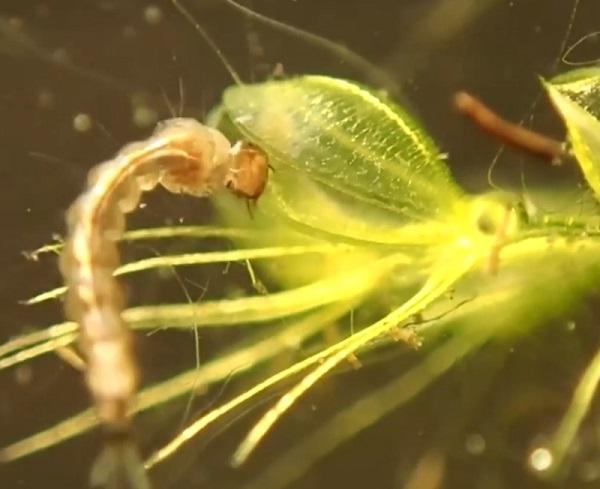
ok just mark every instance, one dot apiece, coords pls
pixel 119 465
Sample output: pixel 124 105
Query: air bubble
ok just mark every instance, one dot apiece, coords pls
pixel 475 444
pixel 153 15
pixel 541 459
pixel 82 123
pixel 144 116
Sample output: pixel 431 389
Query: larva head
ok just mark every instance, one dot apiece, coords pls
pixel 196 157
pixel 249 171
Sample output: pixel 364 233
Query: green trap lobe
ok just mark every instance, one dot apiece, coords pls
pixel 348 138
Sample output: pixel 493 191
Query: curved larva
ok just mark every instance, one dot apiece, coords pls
pixel 185 157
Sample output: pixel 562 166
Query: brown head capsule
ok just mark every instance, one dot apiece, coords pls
pixel 249 171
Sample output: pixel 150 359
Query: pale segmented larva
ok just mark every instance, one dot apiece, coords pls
pixel 185 157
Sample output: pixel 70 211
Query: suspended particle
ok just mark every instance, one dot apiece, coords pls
pixel 475 444
pixel 153 15
pixel 541 459
pixel 82 123
pixel 144 116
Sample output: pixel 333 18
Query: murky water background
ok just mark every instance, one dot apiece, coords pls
pixel 111 61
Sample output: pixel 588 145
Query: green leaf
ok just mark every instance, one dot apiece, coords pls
pixel 582 86
pixel 576 96
pixel 348 138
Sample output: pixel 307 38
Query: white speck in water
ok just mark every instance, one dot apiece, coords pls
pixel 144 116
pixel 475 444
pixel 153 15
pixel 541 459
pixel 571 325
pixel 82 122
pixel 142 205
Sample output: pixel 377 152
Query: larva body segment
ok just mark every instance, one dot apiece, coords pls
pixel 206 171
pixel 185 157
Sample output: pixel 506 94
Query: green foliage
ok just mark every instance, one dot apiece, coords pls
pixel 361 215
pixel 576 96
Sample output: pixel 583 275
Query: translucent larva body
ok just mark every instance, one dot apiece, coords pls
pixel 182 155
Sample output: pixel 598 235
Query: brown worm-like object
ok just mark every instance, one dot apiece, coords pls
pixel 510 133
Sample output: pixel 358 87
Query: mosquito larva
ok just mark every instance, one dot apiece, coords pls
pixel 185 157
